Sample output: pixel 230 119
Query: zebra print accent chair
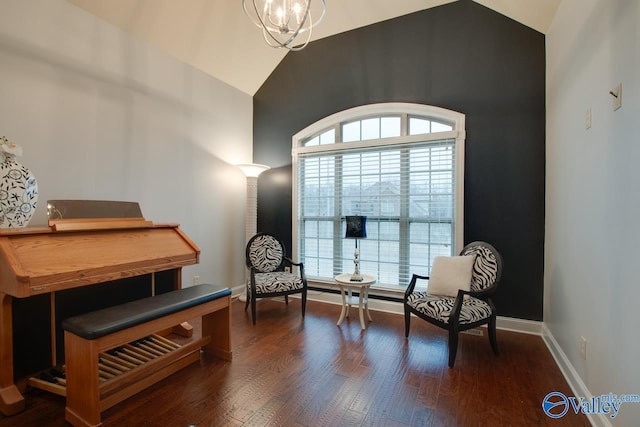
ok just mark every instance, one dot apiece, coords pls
pixel 469 309
pixel 266 259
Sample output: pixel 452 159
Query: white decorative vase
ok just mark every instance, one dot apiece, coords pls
pixel 18 188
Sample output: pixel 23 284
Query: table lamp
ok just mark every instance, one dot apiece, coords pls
pixel 356 229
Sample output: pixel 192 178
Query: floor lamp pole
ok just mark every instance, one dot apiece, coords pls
pixel 251 215
pixel 251 171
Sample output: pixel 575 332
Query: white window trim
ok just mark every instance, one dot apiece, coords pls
pixel 459 134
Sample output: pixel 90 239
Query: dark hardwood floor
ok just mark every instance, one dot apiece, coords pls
pixel 292 372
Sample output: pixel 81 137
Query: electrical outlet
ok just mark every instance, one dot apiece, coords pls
pixel 587 119
pixel 287 269
pixel 196 280
pixel 583 348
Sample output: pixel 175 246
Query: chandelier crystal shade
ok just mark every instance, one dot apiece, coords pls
pixel 282 21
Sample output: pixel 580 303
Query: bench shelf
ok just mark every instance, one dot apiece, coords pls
pixel 125 364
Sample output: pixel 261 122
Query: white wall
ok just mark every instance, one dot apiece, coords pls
pixel 102 115
pixel 592 281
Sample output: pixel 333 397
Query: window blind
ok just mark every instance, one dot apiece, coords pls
pixel 407 193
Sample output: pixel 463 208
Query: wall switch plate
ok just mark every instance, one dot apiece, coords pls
pixel 583 348
pixel 587 119
pixel 616 93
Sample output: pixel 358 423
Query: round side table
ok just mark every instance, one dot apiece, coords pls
pixel 346 286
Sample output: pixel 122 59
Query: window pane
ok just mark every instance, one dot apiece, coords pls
pixel 317 249
pixel 370 129
pixel 310 247
pixel 440 127
pixel 311 229
pixel 419 232
pixel 420 258
pixel 313 141
pixel 386 273
pixel 311 267
pixel 440 234
pixel 325 229
pixel 390 162
pixel 441 158
pixel 419 126
pixel 325 248
pixel 351 132
pixel 390 127
pixel 429 240
pixel 420 160
pixel 389 251
pixel 325 268
pixel 328 137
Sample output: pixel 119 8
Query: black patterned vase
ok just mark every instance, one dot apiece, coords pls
pixel 18 191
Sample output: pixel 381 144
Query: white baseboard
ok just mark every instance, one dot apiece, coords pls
pixel 578 387
pixel 374 304
pixel 503 323
pixel 522 326
pixel 236 291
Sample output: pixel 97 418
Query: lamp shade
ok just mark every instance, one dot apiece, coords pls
pixel 356 227
pixel 252 170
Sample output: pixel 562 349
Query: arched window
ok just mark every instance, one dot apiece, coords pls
pixel 400 165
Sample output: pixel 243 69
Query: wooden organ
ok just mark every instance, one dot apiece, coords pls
pixel 72 267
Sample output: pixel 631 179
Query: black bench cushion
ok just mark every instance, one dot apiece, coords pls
pixel 113 319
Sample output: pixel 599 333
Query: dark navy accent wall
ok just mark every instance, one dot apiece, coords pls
pixel 460 56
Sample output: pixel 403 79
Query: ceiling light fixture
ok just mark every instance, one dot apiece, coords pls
pixel 282 21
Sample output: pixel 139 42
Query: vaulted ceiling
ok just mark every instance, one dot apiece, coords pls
pixel 216 36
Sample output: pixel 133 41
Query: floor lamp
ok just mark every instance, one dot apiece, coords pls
pixel 252 171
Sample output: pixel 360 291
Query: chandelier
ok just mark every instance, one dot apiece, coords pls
pixel 282 21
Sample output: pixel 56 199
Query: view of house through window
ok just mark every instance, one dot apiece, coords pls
pixel 400 166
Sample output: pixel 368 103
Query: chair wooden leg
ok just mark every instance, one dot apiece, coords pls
pixel 453 346
pixel 304 303
pixel 286 299
pixel 492 334
pixel 247 298
pixel 253 309
pixel 407 321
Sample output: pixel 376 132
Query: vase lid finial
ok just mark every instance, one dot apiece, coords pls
pixel 9 148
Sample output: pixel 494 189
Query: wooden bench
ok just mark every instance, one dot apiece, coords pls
pixel 95 381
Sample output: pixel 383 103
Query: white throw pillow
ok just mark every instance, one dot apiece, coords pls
pixel 448 274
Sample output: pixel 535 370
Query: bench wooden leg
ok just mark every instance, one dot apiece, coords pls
pixel 217 325
pixel 83 392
